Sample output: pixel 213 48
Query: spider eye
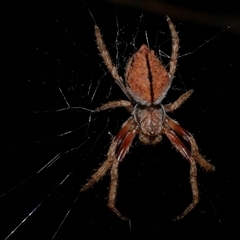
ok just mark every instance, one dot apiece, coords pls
pixel 152 134
pixel 150 139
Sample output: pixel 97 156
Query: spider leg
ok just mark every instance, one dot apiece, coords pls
pixel 113 190
pixel 126 140
pixel 108 61
pixel 175 47
pixel 121 139
pixel 117 151
pixel 190 139
pixel 102 169
pixel 115 104
pixel 178 144
pixel 170 107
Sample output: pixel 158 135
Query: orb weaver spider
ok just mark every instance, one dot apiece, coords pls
pixel 146 84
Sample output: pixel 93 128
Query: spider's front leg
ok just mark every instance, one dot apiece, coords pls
pixel 102 170
pixel 190 139
pixel 117 151
pixel 114 145
pixel 178 144
pixel 124 139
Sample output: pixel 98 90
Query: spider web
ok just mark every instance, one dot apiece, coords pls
pixel 53 140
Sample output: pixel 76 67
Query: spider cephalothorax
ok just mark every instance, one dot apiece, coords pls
pixel 146 84
pixel 150 121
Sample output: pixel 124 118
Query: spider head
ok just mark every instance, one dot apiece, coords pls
pixel 150 122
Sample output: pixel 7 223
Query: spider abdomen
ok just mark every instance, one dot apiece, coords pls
pixel 146 78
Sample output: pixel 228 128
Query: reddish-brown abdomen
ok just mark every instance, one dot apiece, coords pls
pixel 146 77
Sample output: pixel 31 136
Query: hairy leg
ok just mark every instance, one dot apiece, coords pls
pixel 108 61
pixel 102 169
pixel 113 190
pixel 175 47
pixel 194 148
pixel 115 104
pixel 170 107
pixel 117 151
pixel 178 144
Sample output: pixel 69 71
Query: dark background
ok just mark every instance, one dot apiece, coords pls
pixel 47 46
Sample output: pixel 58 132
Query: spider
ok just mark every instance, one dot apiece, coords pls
pixel 146 83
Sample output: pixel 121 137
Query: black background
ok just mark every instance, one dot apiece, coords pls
pixel 46 46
